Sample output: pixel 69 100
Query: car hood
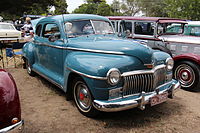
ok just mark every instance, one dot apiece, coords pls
pixel 180 38
pixel 112 45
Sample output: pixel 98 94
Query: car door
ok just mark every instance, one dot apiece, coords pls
pixel 51 52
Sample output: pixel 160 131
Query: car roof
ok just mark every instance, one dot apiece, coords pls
pixel 193 22
pixel 156 19
pixel 70 17
pixel 5 23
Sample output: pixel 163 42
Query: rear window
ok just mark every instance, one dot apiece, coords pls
pixel 6 27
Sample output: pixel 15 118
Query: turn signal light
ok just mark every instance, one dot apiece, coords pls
pixel 15 120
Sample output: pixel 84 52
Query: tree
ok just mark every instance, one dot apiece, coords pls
pixel 130 7
pixel 60 7
pixel 116 8
pixel 17 8
pixel 187 9
pixel 94 7
pixel 95 1
pixel 103 9
pixel 89 8
pixel 153 8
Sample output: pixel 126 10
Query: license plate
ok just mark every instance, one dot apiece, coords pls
pixel 157 99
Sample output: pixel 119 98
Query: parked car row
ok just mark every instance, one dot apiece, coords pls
pixel 166 34
pixel 104 71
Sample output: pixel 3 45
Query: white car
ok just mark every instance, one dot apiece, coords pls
pixel 8 30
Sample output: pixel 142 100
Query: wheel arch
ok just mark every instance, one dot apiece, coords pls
pixel 187 57
pixel 69 89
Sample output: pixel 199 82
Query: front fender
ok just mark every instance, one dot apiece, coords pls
pixel 9 99
pixel 97 65
pixel 28 49
pixel 188 56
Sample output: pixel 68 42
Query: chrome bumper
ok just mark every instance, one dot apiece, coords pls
pixel 16 128
pixel 141 101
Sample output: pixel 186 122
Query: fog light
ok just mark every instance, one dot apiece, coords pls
pixel 15 120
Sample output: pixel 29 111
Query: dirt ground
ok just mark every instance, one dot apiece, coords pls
pixel 45 110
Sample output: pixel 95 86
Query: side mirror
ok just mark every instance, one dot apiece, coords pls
pixel 52 38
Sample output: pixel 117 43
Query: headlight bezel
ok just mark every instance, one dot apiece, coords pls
pixel 169 64
pixel 109 74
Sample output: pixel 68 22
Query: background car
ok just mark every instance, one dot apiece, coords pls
pixel 10 110
pixel 166 34
pixel 8 30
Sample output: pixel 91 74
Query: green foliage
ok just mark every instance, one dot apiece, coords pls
pixel 103 9
pixel 94 8
pixel 95 1
pixel 187 9
pixel 153 8
pixel 89 8
pixel 115 8
pixel 60 7
pixel 15 8
pixel 130 7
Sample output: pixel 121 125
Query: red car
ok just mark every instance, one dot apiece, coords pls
pixel 10 110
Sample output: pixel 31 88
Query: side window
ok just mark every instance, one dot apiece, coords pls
pixel 144 28
pixel 195 31
pixel 128 27
pixel 51 30
pixel 38 30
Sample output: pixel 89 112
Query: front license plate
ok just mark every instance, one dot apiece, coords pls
pixel 157 99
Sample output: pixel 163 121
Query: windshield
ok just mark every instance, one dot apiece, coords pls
pixel 6 27
pixel 87 27
pixel 170 28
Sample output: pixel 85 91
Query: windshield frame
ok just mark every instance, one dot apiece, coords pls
pixel 92 24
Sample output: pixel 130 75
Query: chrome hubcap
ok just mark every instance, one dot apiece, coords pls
pixel 185 74
pixel 82 96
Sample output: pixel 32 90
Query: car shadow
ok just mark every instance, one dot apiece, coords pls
pixel 140 118
pixel 132 117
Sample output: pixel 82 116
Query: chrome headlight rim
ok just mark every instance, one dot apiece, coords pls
pixel 169 64
pixel 110 81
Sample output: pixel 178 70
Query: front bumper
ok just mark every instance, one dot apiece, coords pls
pixel 134 101
pixel 18 127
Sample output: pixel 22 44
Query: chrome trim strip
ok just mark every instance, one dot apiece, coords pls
pixel 143 71
pixel 53 82
pixel 86 75
pixel 81 49
pixel 14 128
pixel 95 51
pixel 141 101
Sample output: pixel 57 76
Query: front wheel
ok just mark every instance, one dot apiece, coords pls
pixel 188 74
pixel 83 98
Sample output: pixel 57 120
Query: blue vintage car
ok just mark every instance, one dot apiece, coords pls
pixel 83 56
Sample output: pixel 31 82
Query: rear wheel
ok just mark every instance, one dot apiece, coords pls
pixel 83 98
pixel 188 74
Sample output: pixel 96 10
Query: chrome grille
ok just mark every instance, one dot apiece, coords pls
pixel 146 82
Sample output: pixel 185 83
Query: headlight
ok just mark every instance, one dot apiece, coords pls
pixel 169 64
pixel 113 76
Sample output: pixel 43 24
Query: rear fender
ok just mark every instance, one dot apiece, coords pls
pixel 28 52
